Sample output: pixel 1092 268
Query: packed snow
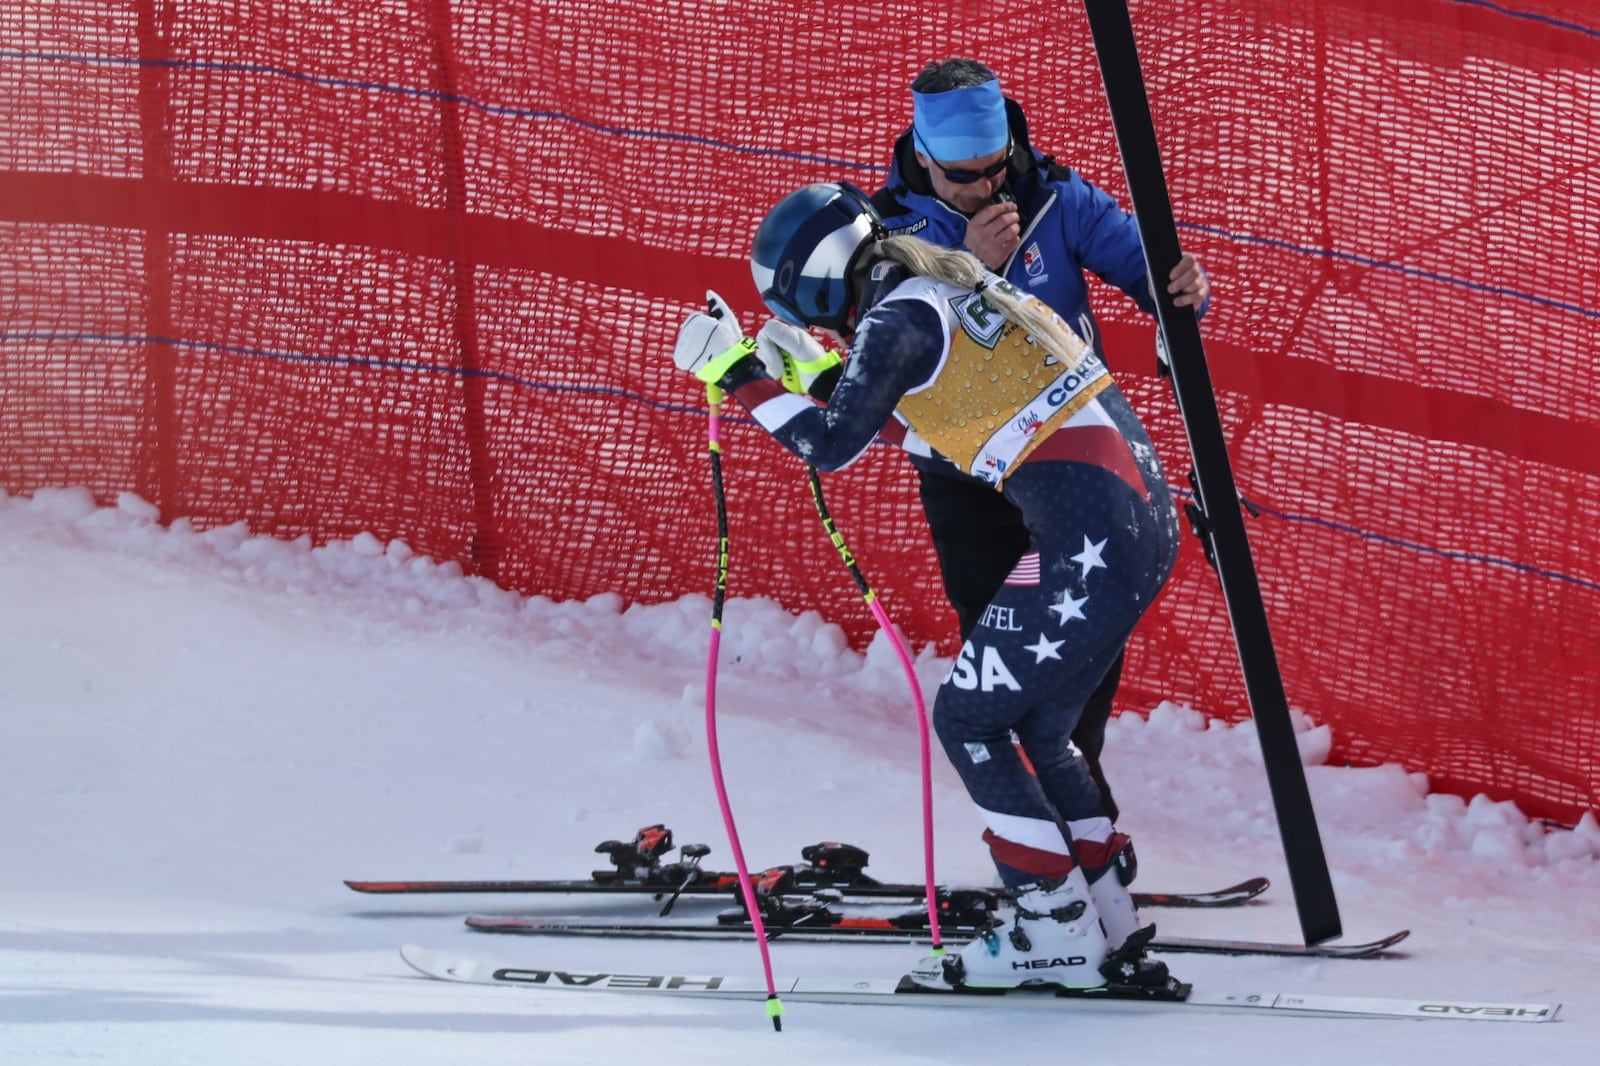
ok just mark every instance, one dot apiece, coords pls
pixel 203 733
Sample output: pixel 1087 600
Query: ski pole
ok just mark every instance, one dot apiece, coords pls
pixel 882 618
pixel 746 888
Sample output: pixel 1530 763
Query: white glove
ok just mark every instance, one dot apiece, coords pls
pixel 798 355
pixel 710 341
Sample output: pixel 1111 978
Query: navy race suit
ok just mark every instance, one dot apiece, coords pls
pixel 1069 454
pixel 1068 226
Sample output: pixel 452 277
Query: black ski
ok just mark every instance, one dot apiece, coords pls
pixel 1216 513
pixel 724 884
pixel 909 927
pixel 639 867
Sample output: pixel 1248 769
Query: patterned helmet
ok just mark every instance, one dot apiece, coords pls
pixel 805 250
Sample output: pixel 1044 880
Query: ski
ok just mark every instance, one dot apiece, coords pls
pixel 1216 513
pixel 904 991
pixel 639 867
pixel 911 927
pixel 717 883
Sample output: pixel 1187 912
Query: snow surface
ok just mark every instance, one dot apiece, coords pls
pixel 203 734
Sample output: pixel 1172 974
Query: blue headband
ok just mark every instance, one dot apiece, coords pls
pixel 961 124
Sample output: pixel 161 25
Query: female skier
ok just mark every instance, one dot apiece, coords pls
pixel 955 363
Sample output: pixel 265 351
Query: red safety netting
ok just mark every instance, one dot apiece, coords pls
pixel 415 270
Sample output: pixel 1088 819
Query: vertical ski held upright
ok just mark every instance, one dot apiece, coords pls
pixel 1216 494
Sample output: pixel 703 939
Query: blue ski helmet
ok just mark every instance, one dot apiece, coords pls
pixel 806 248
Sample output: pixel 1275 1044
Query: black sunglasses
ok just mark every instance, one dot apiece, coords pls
pixel 967 177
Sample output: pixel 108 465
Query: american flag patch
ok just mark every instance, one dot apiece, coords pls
pixel 1026 572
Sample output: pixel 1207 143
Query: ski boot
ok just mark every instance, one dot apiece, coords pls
pixel 1109 866
pixel 1051 937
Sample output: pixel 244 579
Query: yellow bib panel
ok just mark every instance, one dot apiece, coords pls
pixel 998 392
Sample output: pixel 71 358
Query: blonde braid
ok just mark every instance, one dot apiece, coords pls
pixel 964 270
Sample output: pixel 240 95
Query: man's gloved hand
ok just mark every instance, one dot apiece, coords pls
pixel 799 355
pixel 710 341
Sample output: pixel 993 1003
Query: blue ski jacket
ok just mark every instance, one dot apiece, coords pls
pixel 1068 226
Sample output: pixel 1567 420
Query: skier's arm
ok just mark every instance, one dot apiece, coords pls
pixel 897 346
